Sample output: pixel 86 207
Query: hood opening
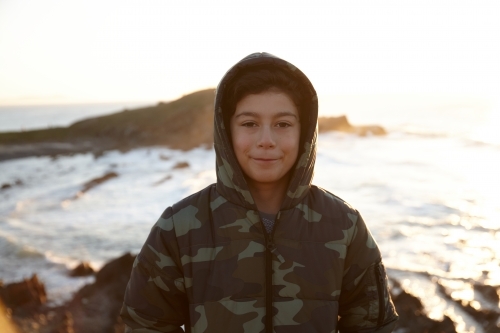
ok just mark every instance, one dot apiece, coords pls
pixel 231 182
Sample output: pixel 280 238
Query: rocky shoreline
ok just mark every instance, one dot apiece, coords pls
pixel 182 124
pixel 95 307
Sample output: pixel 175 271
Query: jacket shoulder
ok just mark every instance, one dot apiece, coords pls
pixel 327 201
pixel 198 199
pixel 192 214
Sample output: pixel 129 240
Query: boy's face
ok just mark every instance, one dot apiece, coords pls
pixel 265 131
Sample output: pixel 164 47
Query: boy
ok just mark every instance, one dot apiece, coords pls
pixel 262 250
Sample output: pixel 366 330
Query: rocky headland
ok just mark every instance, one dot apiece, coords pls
pixel 184 124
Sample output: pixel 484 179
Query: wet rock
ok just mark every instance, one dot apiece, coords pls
pixel 489 319
pixel 27 293
pixel 95 182
pixel 181 165
pixel 83 269
pixel 491 293
pixel 98 153
pixel 341 124
pixel 164 157
pixel 161 181
pixel 412 317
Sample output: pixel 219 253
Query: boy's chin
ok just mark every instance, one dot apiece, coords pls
pixel 264 179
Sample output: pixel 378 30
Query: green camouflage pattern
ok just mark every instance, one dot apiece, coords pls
pixel 204 262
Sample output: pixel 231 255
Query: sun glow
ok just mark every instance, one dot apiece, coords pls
pixel 87 51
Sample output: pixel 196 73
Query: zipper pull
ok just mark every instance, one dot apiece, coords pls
pixel 274 250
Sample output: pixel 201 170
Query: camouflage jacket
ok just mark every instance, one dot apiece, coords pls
pixel 210 265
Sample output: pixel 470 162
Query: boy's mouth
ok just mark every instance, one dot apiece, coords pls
pixel 264 159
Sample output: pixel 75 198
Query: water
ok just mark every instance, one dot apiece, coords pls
pixel 429 192
pixel 28 117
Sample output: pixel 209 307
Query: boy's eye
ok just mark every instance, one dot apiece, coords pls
pixel 249 124
pixel 283 124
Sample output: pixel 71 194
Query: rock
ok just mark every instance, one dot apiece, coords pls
pixel 164 157
pixel 98 305
pixel 6 186
pixel 161 181
pixel 83 269
pixel 181 165
pixel 489 292
pixel 341 124
pixel 27 293
pixel 370 130
pixel 412 318
pixel 94 308
pixel 487 318
pixel 115 270
pixel 99 180
pixel 94 182
pixel 98 153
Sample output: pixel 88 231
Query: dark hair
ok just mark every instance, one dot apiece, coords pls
pixel 258 80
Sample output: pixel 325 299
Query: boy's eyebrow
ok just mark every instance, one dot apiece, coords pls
pixel 279 114
pixel 247 113
pixel 285 113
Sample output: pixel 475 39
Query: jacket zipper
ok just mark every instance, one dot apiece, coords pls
pixel 381 298
pixel 270 247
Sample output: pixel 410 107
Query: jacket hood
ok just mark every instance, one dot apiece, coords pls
pixel 231 182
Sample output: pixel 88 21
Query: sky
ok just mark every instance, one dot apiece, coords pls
pixel 54 51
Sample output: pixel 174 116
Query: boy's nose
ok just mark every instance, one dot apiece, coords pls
pixel 266 138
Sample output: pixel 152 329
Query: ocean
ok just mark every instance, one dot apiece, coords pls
pixel 429 192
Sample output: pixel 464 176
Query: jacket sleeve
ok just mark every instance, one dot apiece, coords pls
pixel 155 300
pixel 365 302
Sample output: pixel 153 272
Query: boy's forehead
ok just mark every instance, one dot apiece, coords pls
pixel 260 114
pixel 267 104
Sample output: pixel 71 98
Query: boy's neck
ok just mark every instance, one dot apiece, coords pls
pixel 268 196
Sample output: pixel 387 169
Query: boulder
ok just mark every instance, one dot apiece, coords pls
pixel 97 181
pixel 93 183
pixel 181 165
pixel 95 307
pixel 83 269
pixel 412 317
pixel 27 293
